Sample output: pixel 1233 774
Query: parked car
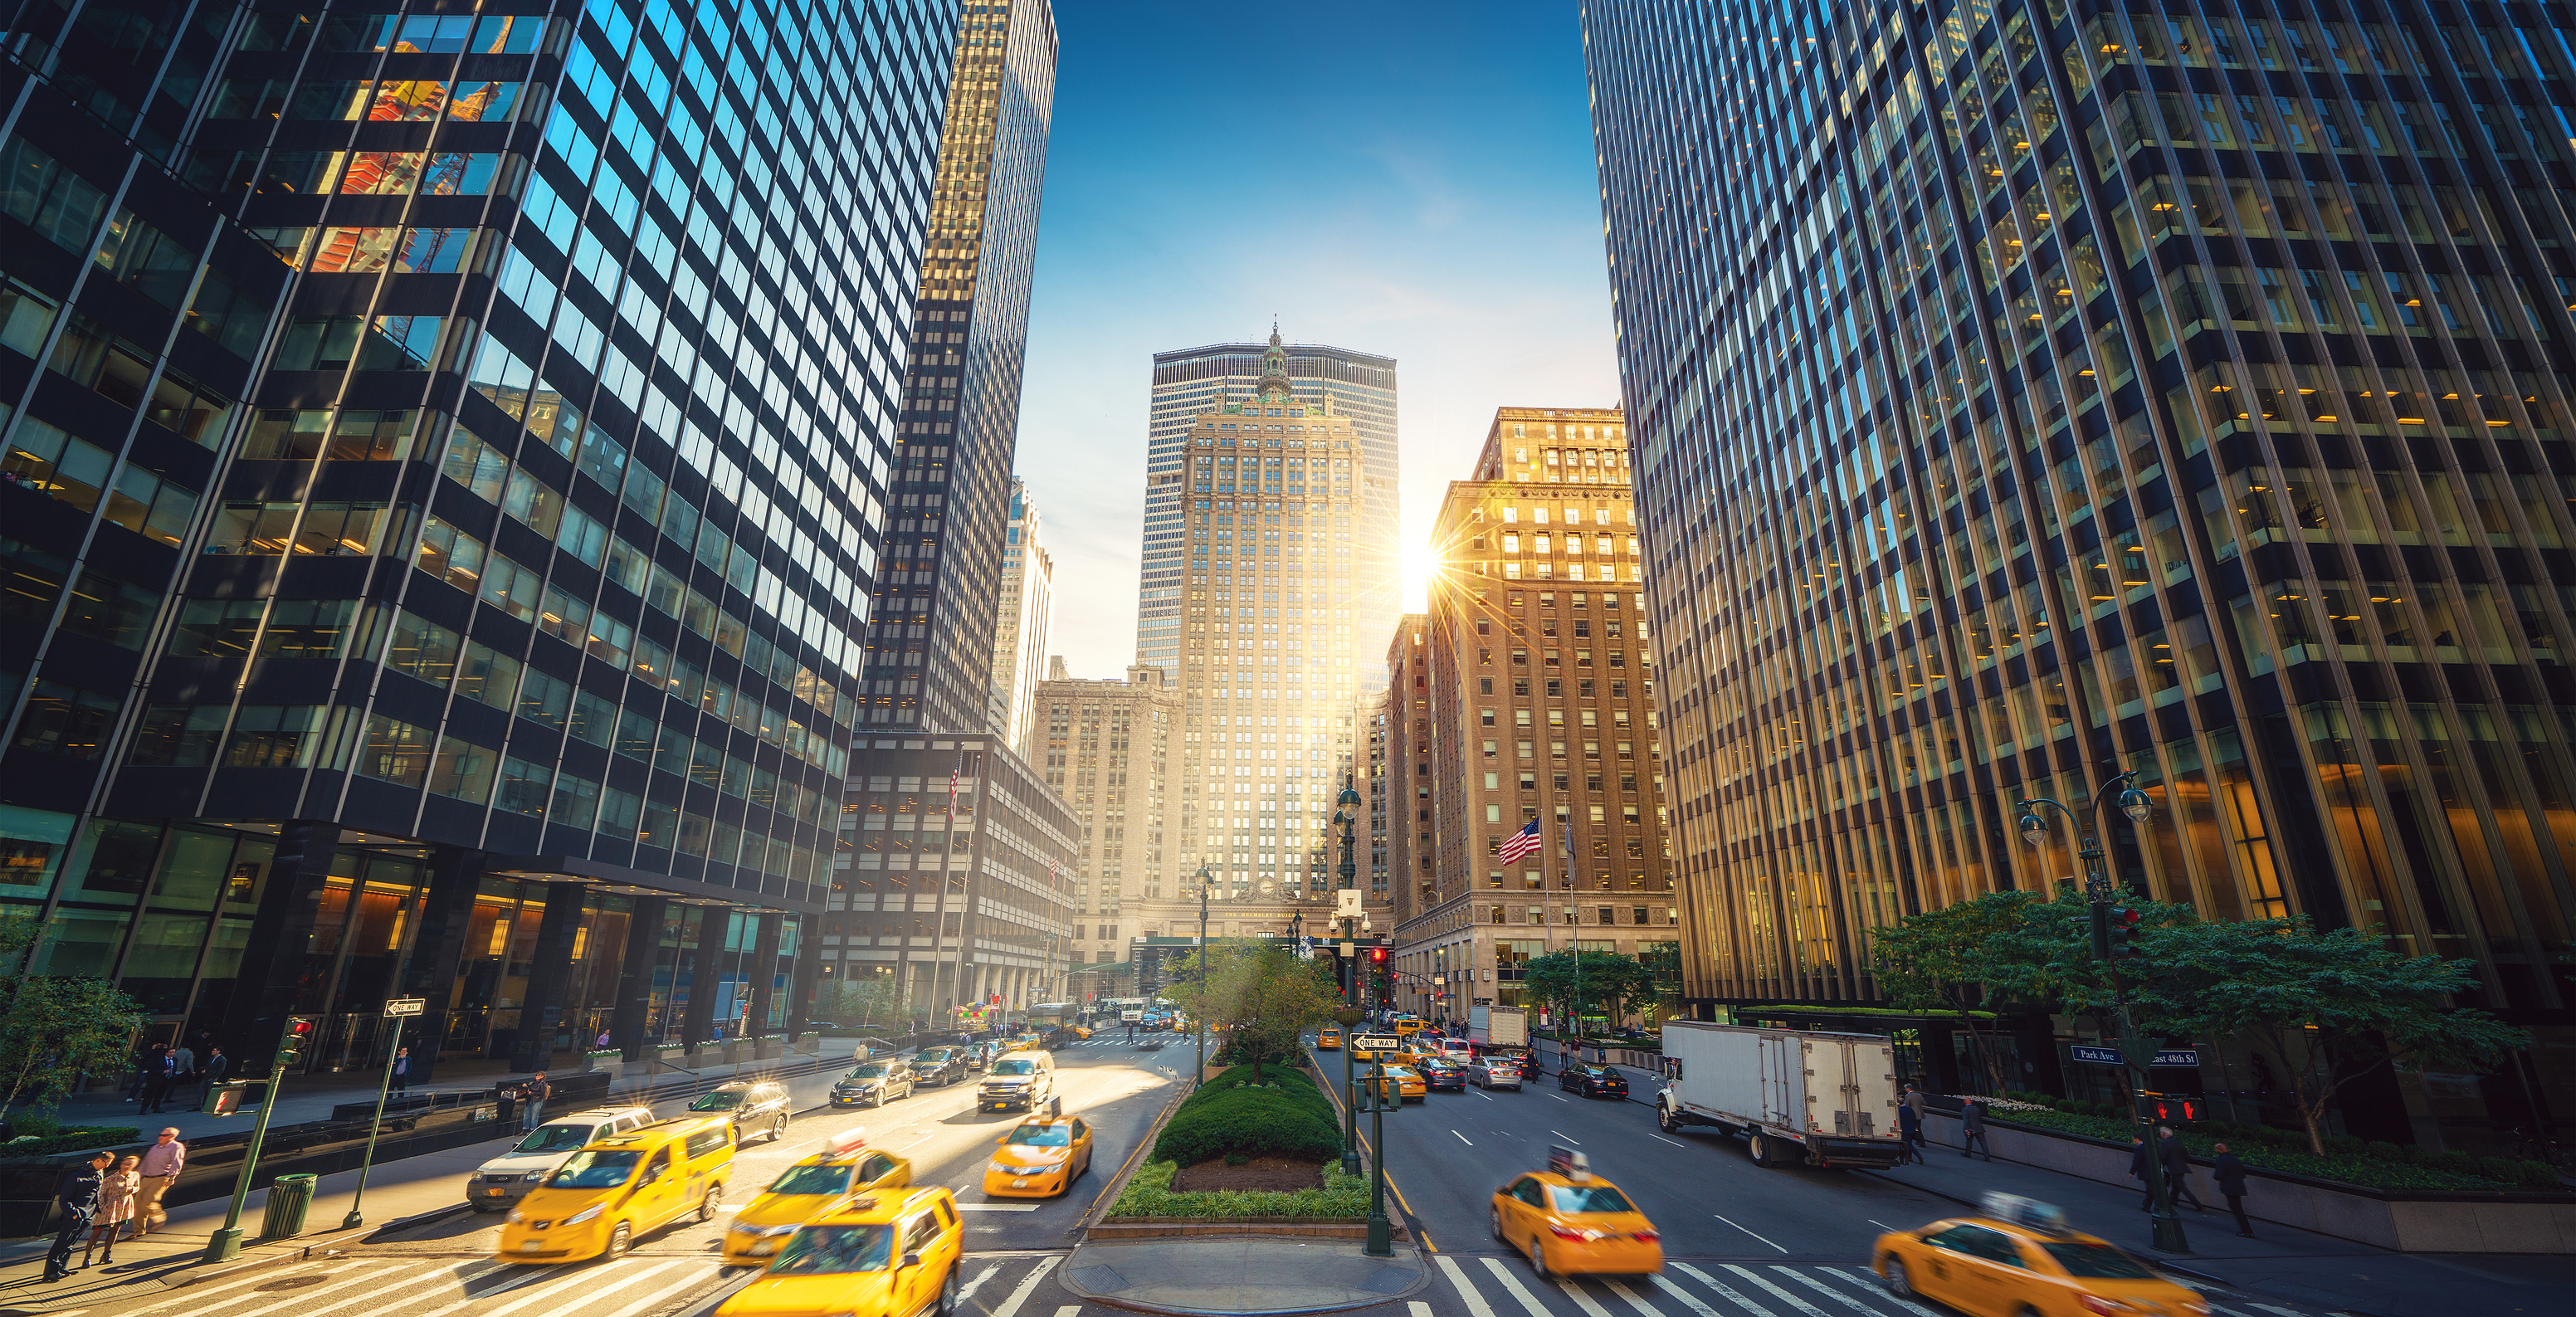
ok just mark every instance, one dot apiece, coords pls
pixel 505 1179
pixel 873 1084
pixel 1494 1072
pixel 1592 1080
pixel 755 1106
pixel 937 1067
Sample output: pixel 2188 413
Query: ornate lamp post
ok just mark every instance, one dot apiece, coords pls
pixel 2134 805
pixel 1198 1073
pixel 1346 814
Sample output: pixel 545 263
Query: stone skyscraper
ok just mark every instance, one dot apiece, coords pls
pixel 2020 388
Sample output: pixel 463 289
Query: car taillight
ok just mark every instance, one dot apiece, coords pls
pixel 1646 1236
pixel 2101 1307
pixel 1562 1233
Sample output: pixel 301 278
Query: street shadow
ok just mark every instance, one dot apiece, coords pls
pixel 458 1226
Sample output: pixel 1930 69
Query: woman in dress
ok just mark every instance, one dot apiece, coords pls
pixel 116 1191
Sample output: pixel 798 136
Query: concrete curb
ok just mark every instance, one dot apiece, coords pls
pixel 201 1272
pixel 1135 1162
pixel 416 1219
pixel 1064 1276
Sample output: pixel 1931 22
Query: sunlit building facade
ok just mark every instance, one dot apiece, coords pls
pixel 2026 391
pixel 446 460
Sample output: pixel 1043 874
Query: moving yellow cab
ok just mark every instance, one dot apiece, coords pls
pixel 2018 1256
pixel 1405 1028
pixel 1404 1081
pixel 622 1186
pixel 1040 1158
pixel 1328 1040
pixel 888 1254
pixel 1569 1220
pixel 817 1185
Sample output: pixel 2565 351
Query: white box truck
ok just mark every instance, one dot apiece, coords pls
pixel 1497 1029
pixel 1827 1099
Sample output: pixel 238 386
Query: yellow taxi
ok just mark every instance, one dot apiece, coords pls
pixel 809 1189
pixel 1040 1158
pixel 2018 1256
pixel 1328 1040
pixel 622 1186
pixel 1407 1028
pixel 1082 1031
pixel 1404 1081
pixel 887 1254
pixel 1571 1221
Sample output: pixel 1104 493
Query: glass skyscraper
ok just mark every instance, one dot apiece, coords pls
pixel 446 460
pixel 2025 391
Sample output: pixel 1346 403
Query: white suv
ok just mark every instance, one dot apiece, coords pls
pixel 498 1183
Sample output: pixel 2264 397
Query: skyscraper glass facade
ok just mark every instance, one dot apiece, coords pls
pixel 446 459
pixel 2022 388
pixel 1194 380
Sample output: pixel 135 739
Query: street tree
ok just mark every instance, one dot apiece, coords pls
pixel 865 1002
pixel 54 1028
pixel 1579 983
pixel 1261 998
pixel 1960 959
pixel 2327 1008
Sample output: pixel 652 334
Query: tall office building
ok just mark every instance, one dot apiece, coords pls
pixel 1020 627
pixel 930 648
pixel 1279 555
pixel 1111 750
pixel 445 462
pixel 1360 387
pixel 931 645
pixel 1528 692
pixel 2021 389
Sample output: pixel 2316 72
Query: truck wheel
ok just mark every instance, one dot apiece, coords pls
pixel 1664 1117
pixel 1759 1149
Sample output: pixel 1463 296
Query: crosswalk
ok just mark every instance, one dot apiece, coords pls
pixel 1496 1286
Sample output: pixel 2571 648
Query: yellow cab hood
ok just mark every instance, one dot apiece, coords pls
pixel 546 1203
pixel 1035 1159
pixel 863 1291
pixel 784 1209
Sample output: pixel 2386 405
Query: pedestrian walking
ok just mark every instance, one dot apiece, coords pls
pixel 160 1166
pixel 532 1099
pixel 116 1190
pixel 147 1063
pixel 1909 1132
pixel 218 1066
pixel 402 1069
pixel 1972 1130
pixel 2177 1160
pixel 162 1082
pixel 603 1040
pixel 2138 1172
pixel 76 1195
pixel 2231 1182
pixel 1921 1107
pixel 183 1063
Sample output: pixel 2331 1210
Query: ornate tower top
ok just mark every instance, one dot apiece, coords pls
pixel 1274 370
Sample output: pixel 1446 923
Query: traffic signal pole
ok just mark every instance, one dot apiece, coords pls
pixel 226 1243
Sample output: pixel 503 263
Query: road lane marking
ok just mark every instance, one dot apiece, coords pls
pixel 1724 1291
pixel 1558 1096
pixel 1809 1309
pixel 1418 1308
pixel 998 1207
pixel 1661 1139
pixel 195 1297
pixel 606 1290
pixel 1068 1310
pixel 1591 1306
pixel 1880 1224
pixel 1011 1306
pixel 577 1280
pixel 978 1283
pixel 1464 1139
pixel 1749 1232
pixel 1634 1300
pixel 1567 1137
pixel 1511 1282
pixel 359 1276
pixel 1831 1293
pixel 658 1298
pixel 1476 1306
pixel 1688 1299
pixel 1869 1280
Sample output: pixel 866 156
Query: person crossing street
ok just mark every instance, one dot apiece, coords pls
pixel 76 1196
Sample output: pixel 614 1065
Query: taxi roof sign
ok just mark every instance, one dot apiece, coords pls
pixel 844 1143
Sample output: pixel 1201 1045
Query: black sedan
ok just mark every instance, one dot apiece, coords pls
pixel 937 1067
pixel 1437 1075
pixel 871 1083
pixel 756 1106
pixel 1592 1081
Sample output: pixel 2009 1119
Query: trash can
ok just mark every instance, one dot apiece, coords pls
pixel 224 1098
pixel 289 1197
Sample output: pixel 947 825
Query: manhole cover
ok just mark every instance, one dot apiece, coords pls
pixel 290 1283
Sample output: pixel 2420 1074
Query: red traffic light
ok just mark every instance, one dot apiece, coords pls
pixel 1377 955
pixel 297 1027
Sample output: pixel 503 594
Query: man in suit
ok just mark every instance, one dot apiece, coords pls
pixel 2177 1160
pixel 2138 1172
pixel 2231 1182
pixel 76 1195
pixel 1972 1130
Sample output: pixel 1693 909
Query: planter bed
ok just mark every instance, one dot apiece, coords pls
pixel 2346 1169
pixel 1149 1197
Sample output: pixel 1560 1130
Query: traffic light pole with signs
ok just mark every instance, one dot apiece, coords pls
pixel 397 1010
pixel 299 1035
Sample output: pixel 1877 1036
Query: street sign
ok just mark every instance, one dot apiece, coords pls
pixel 401 1007
pixel 2173 1058
pixel 1375 1042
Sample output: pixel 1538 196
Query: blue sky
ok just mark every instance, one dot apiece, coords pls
pixel 1408 177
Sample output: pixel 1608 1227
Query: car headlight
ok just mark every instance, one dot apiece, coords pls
pixel 1006 1168
pixel 516 1216
pixel 590 1213
pixel 764 1232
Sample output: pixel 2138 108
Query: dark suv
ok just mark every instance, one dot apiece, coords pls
pixel 937 1067
pixel 755 1105
pixel 873 1084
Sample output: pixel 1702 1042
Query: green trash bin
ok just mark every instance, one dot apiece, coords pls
pixel 289 1198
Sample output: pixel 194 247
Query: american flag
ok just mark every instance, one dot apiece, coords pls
pixel 1519 844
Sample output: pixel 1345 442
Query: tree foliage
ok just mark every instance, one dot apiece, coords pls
pixel 1954 959
pixel 1260 996
pixel 53 1030
pixel 1588 983
pixel 865 1002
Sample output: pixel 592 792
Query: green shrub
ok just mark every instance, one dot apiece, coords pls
pixel 1255 1122
pixel 2419 1155
pixel 76 1139
pixel 2457 1162
pixel 1150 1194
pixel 2503 1169
pixel 2384 1151
pixel 2346 1144
pixel 2538 1175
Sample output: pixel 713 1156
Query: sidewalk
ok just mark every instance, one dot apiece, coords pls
pixel 1240 1274
pixel 2279 1262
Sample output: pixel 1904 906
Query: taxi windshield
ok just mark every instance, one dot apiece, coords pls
pixel 1015 1067
pixel 1402 1072
pixel 826 1250
pixel 872 1070
pixel 599 1168
pixel 554 1138
pixel 723 1099
pixel 1577 1198
pixel 2095 1261
pixel 1043 1136
pixel 933 1056
pixel 813 1180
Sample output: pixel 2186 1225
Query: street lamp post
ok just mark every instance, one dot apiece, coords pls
pixel 2167 1226
pixel 1198 1074
pixel 1349 1017
pixel 1346 813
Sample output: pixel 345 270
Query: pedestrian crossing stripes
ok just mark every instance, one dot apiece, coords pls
pixel 1489 1286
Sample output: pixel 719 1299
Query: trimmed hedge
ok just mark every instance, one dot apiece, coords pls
pixel 1150 1194
pixel 77 1140
pixel 2351 1160
pixel 1231 1117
